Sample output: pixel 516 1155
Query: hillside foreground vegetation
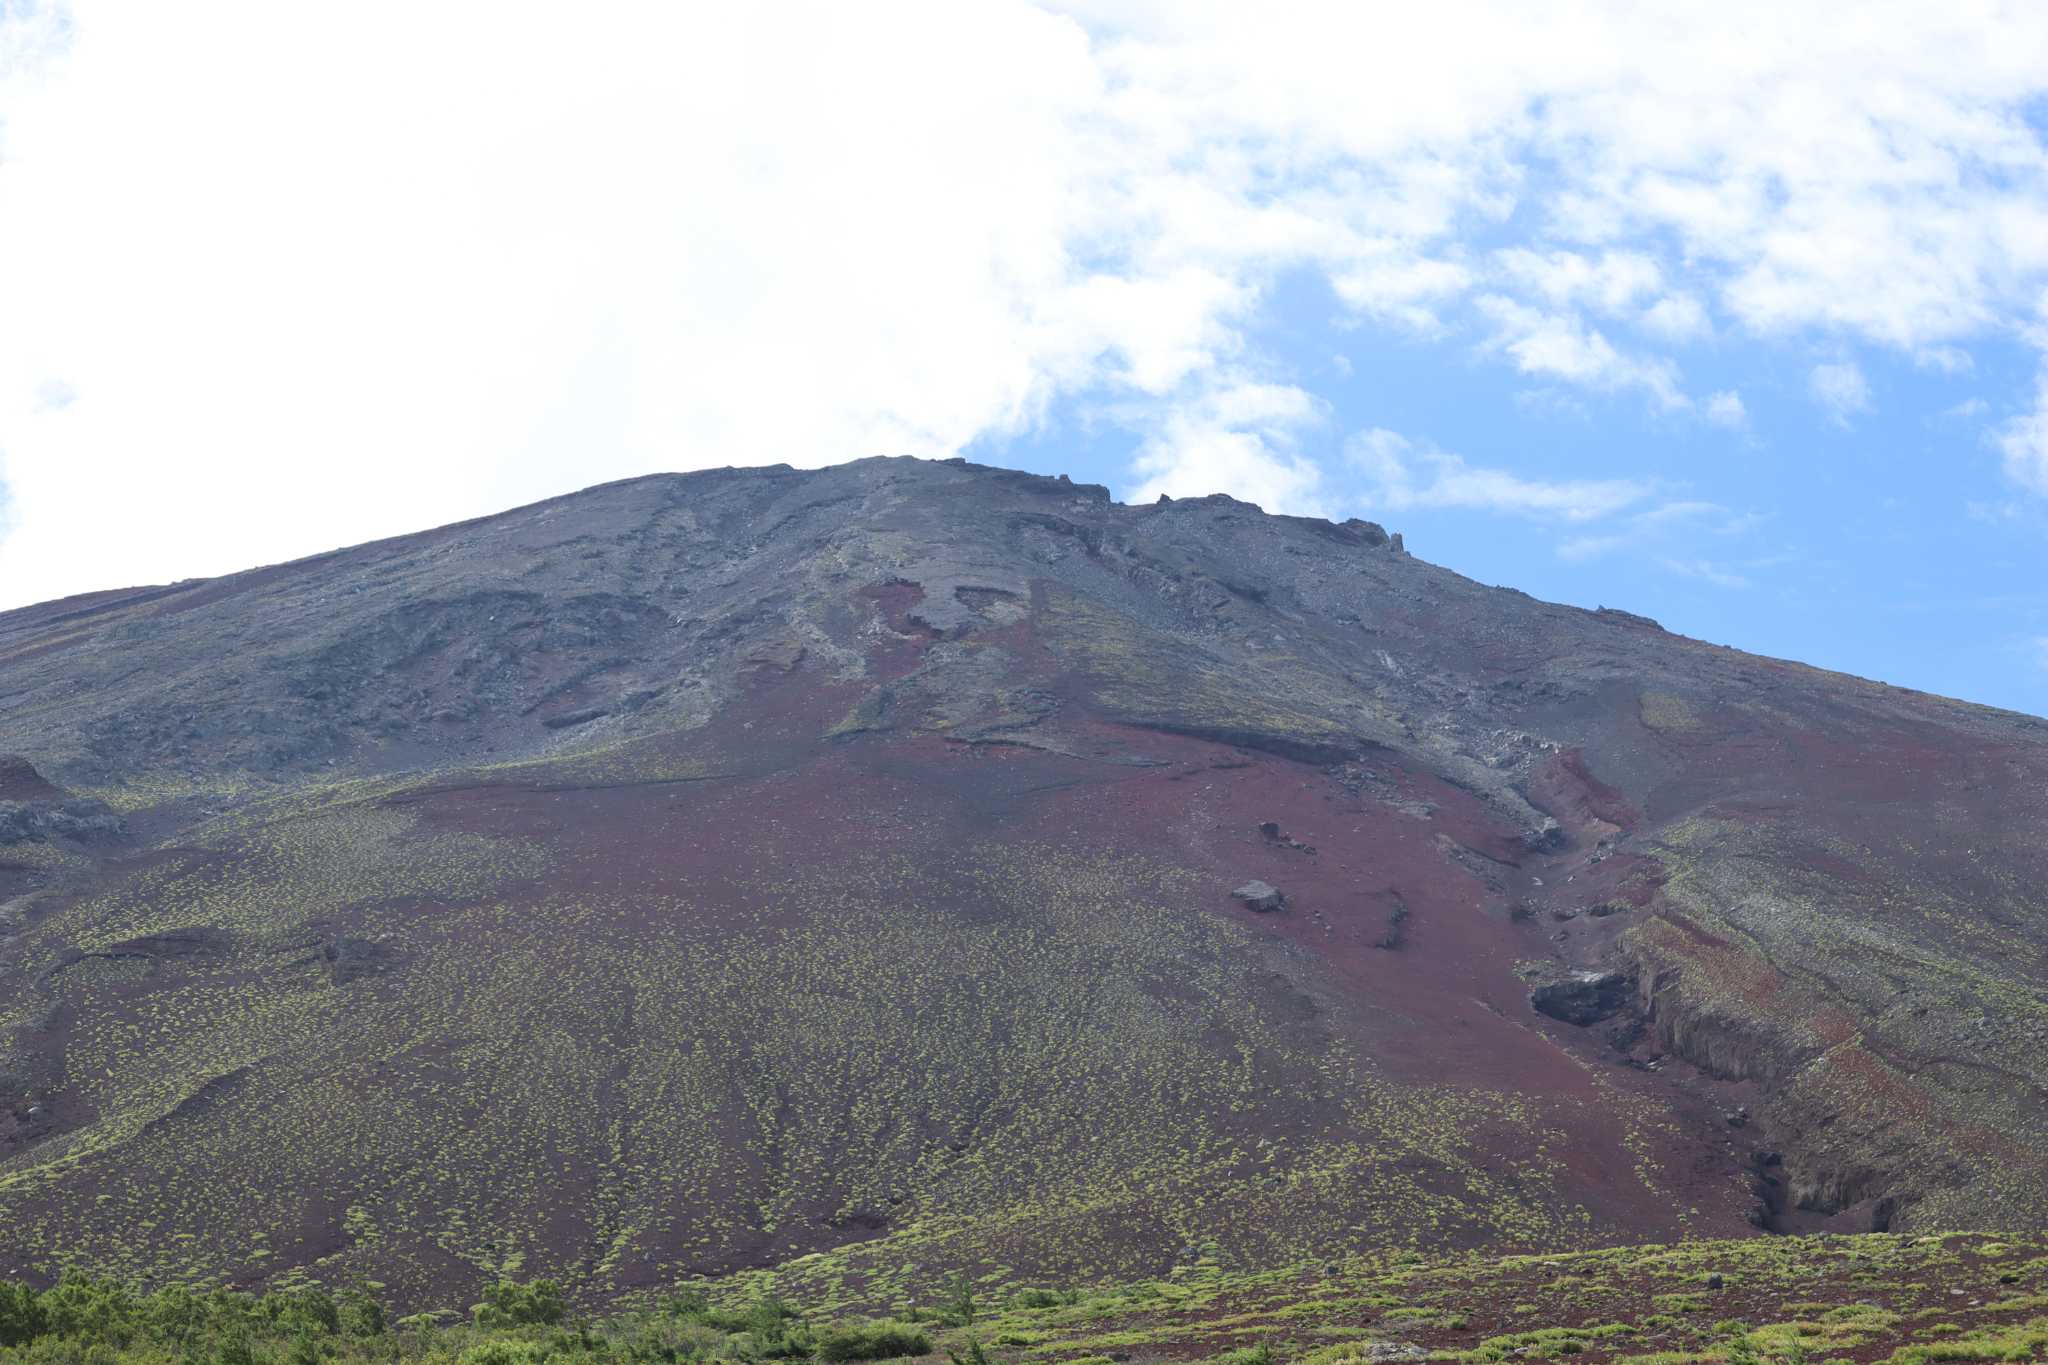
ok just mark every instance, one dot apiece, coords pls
pixel 1759 1301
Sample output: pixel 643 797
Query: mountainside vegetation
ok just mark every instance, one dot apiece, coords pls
pixel 1791 1301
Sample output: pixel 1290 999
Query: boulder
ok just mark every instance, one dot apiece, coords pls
pixel 23 822
pixel 1584 997
pixel 1259 896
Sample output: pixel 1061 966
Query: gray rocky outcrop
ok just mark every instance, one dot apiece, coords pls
pixel 1260 896
pixel 1583 998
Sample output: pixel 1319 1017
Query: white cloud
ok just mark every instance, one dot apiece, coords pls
pixel 1994 513
pixel 2024 443
pixel 1740 524
pixel 1725 409
pixel 54 395
pixel 1609 283
pixel 1944 359
pixel 1238 439
pixel 1560 346
pixel 316 273
pixel 1840 389
pixel 1706 571
pixel 30 35
pixel 1677 317
pixel 1401 288
pixel 1400 475
pixel 1656 526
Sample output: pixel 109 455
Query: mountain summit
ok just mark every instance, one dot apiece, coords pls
pixel 870 872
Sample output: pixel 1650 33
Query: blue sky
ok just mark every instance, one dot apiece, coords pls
pixel 1734 314
pixel 1887 543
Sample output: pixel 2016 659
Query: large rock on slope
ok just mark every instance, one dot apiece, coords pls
pixel 19 781
pixel 1257 895
pixel 1584 997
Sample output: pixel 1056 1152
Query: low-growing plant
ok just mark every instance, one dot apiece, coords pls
pixel 507 1304
pixel 872 1341
pixel 1261 1354
pixel 21 1314
pixel 959 1305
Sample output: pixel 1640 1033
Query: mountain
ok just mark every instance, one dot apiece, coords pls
pixel 832 873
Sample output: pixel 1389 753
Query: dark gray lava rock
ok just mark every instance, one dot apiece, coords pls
pixel 1584 997
pixel 1272 833
pixel 23 822
pixel 350 959
pixel 19 781
pixel 1259 896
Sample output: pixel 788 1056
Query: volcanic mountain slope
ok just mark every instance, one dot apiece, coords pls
pixel 832 872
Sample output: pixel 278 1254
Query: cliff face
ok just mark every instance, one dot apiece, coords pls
pixel 701 872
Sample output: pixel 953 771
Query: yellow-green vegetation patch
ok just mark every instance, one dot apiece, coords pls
pixel 1667 712
pixel 1150 678
pixel 1792 1311
pixel 1041 1061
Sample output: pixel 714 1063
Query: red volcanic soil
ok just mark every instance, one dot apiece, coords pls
pixel 1397 924
pixel 1412 954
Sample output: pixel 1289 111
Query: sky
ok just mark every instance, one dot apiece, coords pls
pixel 1734 315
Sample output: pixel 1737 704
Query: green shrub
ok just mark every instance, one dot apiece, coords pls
pixel 21 1314
pixel 872 1341
pixel 506 1304
pixel 175 1313
pixel 958 1304
pixel 769 1317
pixel 767 1329
pixel 234 1349
pixel 100 1312
pixel 670 1337
pixel 506 1353
pixel 1261 1354
pixel 359 1313
pixel 302 1311
pixel 689 1305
